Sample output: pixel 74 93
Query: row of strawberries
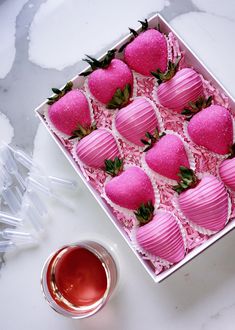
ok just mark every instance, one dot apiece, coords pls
pixel 204 202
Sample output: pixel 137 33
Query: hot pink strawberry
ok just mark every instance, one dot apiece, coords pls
pixel 227 173
pixel 203 202
pixel 94 149
pixel 167 155
pixel 177 93
pixel 212 128
pixel 130 189
pixel 147 52
pixel 162 237
pixel 69 110
pixel 110 81
pixel 137 118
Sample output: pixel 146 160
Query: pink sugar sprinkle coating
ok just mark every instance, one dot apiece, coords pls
pixel 147 52
pixel 103 83
pixel 131 182
pixel 212 128
pixel 69 111
pixel 205 161
pixel 167 155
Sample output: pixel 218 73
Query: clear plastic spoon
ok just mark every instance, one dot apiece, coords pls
pixel 11 166
pixel 10 219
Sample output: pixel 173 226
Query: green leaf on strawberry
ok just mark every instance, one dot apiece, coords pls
pixel 188 180
pixel 152 139
pixel 120 98
pixel 98 64
pixel 171 71
pixel 144 214
pixel 81 131
pixel 198 105
pixel 59 92
pixel 113 167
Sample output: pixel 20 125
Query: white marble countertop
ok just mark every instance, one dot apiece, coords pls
pixel 41 43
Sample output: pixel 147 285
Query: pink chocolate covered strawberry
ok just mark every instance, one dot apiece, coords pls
pixel 212 128
pixel 227 170
pixel 162 237
pixel 110 80
pixel 133 190
pixel 167 155
pixel 203 202
pixel 137 118
pixel 147 52
pixel 184 88
pixel 69 110
pixel 97 147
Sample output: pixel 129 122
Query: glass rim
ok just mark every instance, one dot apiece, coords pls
pixel 51 301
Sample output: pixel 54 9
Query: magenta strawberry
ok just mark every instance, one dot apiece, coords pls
pixel 97 147
pixel 147 52
pixel 203 202
pixel 227 170
pixel 166 156
pixel 69 110
pixel 184 88
pixel 212 128
pixel 110 80
pixel 134 120
pixel 162 237
pixel 133 190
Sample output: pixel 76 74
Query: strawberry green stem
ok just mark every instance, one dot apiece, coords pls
pixel 188 180
pixel 144 213
pixel 171 71
pixel 144 27
pixel 81 131
pixel 151 139
pixel 96 64
pixel 120 98
pixel 194 107
pixel 113 167
pixel 59 93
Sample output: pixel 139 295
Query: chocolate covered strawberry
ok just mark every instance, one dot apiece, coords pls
pixel 137 118
pixel 147 52
pixel 69 110
pixel 110 80
pixel 132 189
pixel 212 128
pixel 167 155
pixel 203 202
pixel 227 170
pixel 97 147
pixel 162 237
pixel 184 88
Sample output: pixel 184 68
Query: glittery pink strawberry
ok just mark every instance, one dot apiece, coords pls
pixel 162 237
pixel 203 202
pixel 69 109
pixel 212 128
pixel 147 52
pixel 167 155
pixel 184 88
pixel 132 189
pixel 94 149
pixel 134 120
pixel 110 80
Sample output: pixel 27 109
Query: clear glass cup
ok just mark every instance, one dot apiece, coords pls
pixel 52 271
